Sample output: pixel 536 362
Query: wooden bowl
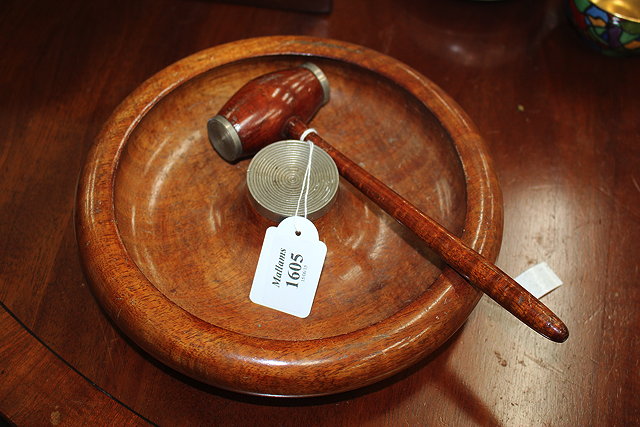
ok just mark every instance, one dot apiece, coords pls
pixel 170 242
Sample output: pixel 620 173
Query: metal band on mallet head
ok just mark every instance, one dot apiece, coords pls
pixel 302 99
pixel 275 176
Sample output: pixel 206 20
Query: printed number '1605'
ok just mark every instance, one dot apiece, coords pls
pixel 294 269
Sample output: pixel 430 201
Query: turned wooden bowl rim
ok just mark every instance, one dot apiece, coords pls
pixel 244 363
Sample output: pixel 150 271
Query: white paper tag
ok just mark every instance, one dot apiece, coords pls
pixel 539 280
pixel 289 267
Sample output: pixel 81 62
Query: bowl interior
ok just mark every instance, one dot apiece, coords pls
pixel 185 218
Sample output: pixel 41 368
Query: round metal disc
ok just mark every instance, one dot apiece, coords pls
pixel 275 177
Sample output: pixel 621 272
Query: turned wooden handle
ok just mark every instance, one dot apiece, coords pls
pixel 471 265
pixel 280 103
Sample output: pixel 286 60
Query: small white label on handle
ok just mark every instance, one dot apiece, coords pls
pixel 289 267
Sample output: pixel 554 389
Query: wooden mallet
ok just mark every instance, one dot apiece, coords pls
pixel 278 105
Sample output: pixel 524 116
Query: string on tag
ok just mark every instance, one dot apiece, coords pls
pixel 304 190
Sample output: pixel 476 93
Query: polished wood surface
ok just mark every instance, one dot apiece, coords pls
pixel 480 272
pixel 280 104
pixel 168 238
pixel 560 121
pixel 259 111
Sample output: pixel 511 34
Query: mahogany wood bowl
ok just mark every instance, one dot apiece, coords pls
pixel 170 242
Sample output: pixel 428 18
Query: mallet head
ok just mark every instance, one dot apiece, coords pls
pixel 258 113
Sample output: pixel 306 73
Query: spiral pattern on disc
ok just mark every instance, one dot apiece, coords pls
pixel 275 177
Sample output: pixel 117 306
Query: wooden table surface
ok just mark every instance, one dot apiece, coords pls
pixel 562 123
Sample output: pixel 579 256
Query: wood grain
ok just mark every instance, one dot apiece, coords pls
pixel 256 110
pixel 475 268
pixel 278 105
pixel 561 124
pixel 135 220
pixel 39 388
